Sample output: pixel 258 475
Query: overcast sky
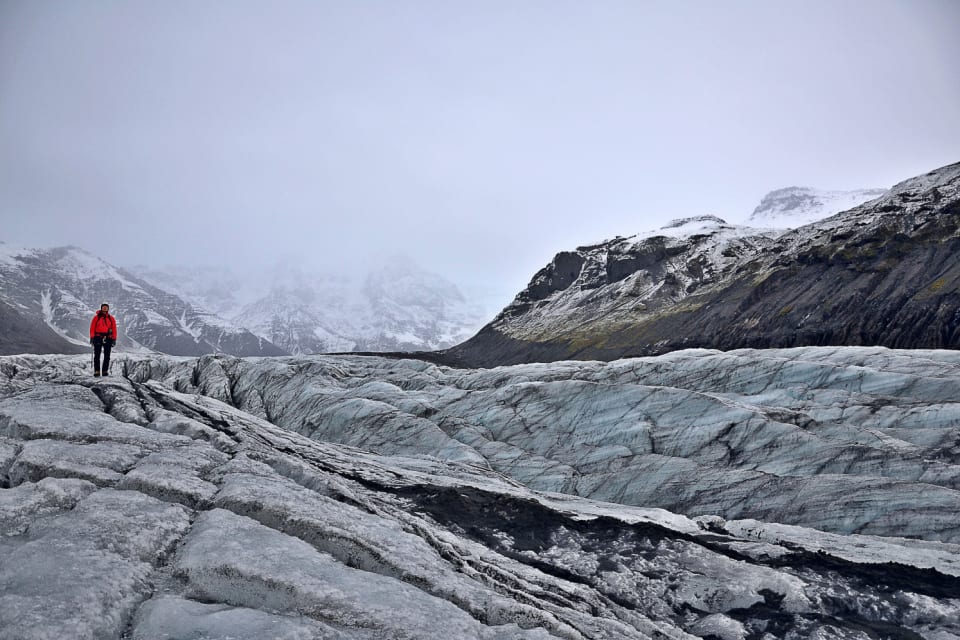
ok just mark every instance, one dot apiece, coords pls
pixel 478 137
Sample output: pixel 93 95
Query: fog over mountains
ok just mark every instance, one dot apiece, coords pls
pixel 391 306
pixel 53 293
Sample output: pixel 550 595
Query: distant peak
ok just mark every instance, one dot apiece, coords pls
pixel 69 248
pixel 787 196
pixel 791 207
pixel 700 220
pixel 787 191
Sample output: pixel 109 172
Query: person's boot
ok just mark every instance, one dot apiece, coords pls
pixel 96 373
pixel 105 373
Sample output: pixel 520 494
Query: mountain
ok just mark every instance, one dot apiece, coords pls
pixel 882 273
pixel 394 306
pixel 813 494
pixel 62 288
pixel 798 206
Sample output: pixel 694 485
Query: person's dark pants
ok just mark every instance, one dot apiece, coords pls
pixel 101 344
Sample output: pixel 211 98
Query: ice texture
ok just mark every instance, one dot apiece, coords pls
pixel 811 493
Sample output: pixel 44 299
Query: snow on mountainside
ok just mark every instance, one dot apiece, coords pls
pixel 63 287
pixel 798 206
pixel 179 501
pixel 396 306
pixel 883 273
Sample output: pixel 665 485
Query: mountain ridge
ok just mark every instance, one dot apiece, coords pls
pixel 729 286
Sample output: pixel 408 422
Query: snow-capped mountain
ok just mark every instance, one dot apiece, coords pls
pixel 812 492
pixel 884 273
pixel 62 288
pixel 798 206
pixel 396 306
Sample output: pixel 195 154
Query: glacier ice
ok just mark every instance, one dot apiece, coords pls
pixel 751 494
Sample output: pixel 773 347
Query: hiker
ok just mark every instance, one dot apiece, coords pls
pixel 103 335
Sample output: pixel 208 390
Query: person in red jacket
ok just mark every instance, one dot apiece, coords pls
pixel 103 335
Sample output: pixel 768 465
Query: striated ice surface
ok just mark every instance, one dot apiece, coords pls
pixel 805 493
pixel 850 440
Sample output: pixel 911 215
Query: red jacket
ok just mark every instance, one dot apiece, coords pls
pixel 103 324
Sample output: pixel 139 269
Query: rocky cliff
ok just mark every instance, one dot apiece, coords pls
pixel 882 273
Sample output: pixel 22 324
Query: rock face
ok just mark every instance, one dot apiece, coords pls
pixel 883 273
pixel 170 502
pixel 62 288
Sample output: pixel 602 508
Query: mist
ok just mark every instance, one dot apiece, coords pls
pixel 477 138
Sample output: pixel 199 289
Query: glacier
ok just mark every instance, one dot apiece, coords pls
pixel 792 493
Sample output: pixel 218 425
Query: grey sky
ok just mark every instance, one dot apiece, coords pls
pixel 478 137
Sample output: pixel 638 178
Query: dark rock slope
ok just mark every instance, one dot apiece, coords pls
pixel 22 335
pixel 884 273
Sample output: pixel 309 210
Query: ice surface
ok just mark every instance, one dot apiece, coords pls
pixel 241 562
pixel 82 573
pixel 844 440
pixel 29 500
pixel 173 618
pixel 178 500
